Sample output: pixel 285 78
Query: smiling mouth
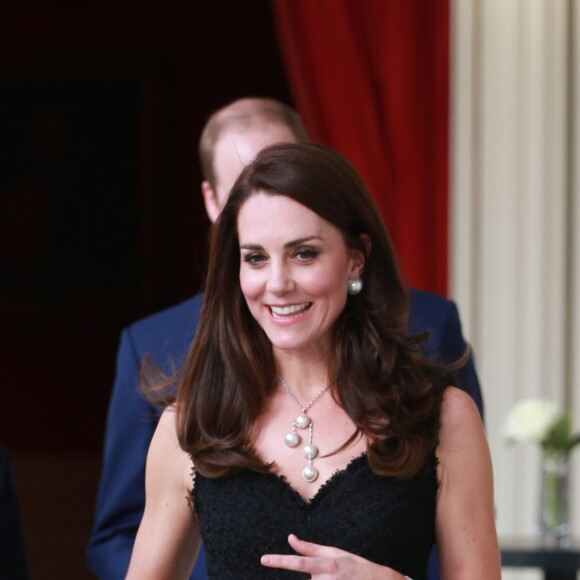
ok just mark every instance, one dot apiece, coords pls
pixel 289 311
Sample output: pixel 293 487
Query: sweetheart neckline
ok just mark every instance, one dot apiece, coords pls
pixel 335 476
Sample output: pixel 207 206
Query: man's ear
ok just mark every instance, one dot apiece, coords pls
pixel 212 207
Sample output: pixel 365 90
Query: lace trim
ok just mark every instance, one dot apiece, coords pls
pixel 189 498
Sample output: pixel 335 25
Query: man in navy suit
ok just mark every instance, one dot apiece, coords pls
pixel 231 138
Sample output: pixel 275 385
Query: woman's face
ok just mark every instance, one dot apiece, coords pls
pixel 293 271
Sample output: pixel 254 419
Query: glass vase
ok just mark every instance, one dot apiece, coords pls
pixel 554 525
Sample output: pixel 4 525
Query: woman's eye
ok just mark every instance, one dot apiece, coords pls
pixel 305 254
pixel 253 259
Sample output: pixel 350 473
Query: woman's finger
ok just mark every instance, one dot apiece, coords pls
pixel 311 549
pixel 306 564
pixel 313 558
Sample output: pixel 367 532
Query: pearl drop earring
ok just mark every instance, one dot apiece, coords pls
pixel 355 285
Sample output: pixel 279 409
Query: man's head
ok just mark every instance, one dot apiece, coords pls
pixel 234 135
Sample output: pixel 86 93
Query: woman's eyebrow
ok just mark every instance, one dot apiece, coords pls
pixel 291 244
pixel 301 241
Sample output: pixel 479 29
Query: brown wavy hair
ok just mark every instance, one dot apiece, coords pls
pixel 391 394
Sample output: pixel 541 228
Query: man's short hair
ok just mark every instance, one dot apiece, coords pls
pixel 241 114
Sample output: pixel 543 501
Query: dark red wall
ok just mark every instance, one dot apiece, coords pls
pixel 58 364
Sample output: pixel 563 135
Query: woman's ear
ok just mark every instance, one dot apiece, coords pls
pixel 368 245
pixel 360 256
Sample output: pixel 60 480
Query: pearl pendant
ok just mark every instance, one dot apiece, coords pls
pixel 292 439
pixel 310 451
pixel 302 421
pixel 310 473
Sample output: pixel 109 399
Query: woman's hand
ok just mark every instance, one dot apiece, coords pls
pixel 327 563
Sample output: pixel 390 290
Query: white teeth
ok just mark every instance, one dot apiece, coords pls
pixel 286 310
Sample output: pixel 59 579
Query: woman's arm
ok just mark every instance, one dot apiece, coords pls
pixel 465 527
pixel 168 538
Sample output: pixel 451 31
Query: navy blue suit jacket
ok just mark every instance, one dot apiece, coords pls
pixel 131 420
pixel 13 557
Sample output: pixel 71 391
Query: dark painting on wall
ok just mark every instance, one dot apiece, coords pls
pixel 77 191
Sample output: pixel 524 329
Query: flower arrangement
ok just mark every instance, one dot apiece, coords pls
pixel 539 421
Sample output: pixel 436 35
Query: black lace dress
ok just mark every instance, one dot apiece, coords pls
pixel 379 518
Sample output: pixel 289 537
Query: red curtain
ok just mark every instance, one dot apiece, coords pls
pixel 370 79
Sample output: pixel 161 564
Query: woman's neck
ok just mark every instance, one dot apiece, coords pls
pixel 304 375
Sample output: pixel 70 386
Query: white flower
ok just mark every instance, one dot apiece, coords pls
pixel 531 420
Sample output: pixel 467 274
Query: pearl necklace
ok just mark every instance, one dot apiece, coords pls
pixel 303 421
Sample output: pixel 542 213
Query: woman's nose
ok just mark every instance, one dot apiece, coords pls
pixel 279 280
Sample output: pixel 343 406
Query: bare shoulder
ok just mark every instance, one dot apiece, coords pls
pixel 166 432
pixel 165 454
pixel 167 419
pixel 461 428
pixel 458 409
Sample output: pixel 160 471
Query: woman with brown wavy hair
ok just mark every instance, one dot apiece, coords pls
pixel 310 436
